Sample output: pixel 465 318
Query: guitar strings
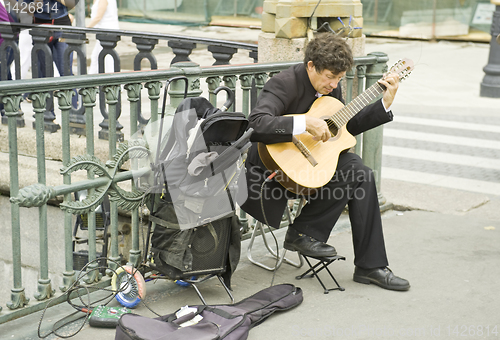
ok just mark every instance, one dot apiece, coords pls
pixel 344 116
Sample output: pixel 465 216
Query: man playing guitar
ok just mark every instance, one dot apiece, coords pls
pixel 293 91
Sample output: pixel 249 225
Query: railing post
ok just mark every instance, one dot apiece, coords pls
pixel 213 83
pixel 373 139
pixel 247 82
pixel 88 96
pixel 18 296
pixel 260 81
pixel 64 100
pixel 253 96
pixel 44 287
pixel 134 95
pixel 112 97
pixel 230 81
pixel 154 88
pixel 176 92
pixel 361 73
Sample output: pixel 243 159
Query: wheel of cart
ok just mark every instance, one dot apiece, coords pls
pixel 129 285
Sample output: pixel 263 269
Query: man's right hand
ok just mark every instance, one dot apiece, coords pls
pixel 318 128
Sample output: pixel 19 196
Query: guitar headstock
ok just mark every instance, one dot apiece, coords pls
pixel 402 68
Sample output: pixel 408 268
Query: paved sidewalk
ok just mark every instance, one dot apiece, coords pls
pixel 451 262
pixel 444 240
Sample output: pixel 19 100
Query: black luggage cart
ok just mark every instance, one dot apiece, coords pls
pixel 198 177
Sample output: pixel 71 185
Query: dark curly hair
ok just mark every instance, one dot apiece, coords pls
pixel 329 51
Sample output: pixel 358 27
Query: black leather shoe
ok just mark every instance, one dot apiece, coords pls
pixel 382 277
pixel 307 245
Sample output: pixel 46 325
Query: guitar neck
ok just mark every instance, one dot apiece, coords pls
pixel 341 117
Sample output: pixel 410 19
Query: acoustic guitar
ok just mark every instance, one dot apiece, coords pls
pixel 304 165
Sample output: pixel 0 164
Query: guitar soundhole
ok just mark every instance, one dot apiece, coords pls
pixel 331 125
pixel 334 131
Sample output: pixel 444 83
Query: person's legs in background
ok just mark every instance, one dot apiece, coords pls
pixel 10 59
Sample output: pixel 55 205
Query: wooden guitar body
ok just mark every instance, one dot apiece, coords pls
pixel 304 165
pixel 295 171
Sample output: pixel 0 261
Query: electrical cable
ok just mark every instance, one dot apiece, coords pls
pixel 88 305
pixel 326 25
pixel 267 180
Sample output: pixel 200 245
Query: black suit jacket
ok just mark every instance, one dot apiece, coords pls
pixel 290 91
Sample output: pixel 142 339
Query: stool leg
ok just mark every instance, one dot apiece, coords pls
pixel 323 263
pixel 333 277
pixel 316 274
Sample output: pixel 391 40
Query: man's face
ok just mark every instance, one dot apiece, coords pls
pixel 325 81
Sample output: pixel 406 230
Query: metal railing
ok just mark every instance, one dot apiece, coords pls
pixel 104 177
pixel 78 37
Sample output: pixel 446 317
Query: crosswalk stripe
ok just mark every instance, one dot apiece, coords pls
pixel 441 157
pixel 438 138
pixel 441 180
pixel 447 124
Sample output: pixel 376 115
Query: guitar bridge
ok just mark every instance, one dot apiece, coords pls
pixel 304 151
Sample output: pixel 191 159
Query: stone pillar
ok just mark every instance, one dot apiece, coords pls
pixel 287 27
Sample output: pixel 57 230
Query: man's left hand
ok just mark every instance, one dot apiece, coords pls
pixel 391 83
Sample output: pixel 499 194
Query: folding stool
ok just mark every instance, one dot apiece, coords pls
pixel 323 263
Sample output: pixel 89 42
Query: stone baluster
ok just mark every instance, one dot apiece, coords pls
pixel 145 47
pixel 9 34
pixel 182 51
pixel 75 43
pixel 41 57
pixel 222 54
pixel 108 42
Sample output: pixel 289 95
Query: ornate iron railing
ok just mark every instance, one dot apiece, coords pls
pixel 103 176
pixel 77 38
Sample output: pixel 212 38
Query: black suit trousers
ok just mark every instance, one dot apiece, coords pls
pixel 353 184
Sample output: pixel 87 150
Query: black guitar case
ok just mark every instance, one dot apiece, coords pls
pixel 229 322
